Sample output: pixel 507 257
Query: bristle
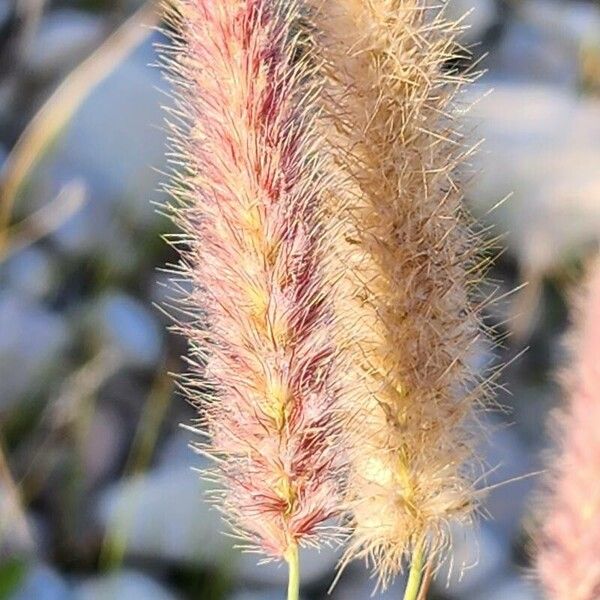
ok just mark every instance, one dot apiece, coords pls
pixel 569 542
pixel 407 259
pixel 263 365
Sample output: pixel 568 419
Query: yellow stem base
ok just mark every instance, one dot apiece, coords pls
pixel 413 585
pixel 293 561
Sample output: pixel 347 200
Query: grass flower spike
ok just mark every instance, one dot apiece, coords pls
pixel 408 259
pixel 249 206
pixel 567 561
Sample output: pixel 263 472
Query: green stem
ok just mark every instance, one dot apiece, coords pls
pixel 293 561
pixel 416 573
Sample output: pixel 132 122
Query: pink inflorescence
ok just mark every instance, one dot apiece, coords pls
pixel 249 206
pixel 568 561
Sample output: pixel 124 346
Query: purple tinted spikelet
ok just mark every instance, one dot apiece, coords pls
pixel 408 260
pixel 249 207
pixel 568 559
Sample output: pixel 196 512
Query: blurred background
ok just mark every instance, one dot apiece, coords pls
pixel 97 495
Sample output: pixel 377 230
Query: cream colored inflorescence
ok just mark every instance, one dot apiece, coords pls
pixel 407 259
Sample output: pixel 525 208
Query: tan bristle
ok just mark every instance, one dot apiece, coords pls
pixel 407 259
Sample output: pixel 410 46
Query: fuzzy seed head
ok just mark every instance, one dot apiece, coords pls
pixel 253 249
pixel 567 562
pixel 407 261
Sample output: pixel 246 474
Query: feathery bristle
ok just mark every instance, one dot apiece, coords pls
pixel 408 259
pixel 249 205
pixel 569 543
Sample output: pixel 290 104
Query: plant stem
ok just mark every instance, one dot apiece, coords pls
pixel 426 579
pixel 62 104
pixel 293 561
pixel 416 572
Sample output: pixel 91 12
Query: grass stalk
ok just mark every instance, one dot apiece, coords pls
pixel 415 575
pixel 293 560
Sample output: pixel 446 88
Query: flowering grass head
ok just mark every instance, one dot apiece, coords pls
pixel 253 248
pixel 569 542
pixel 408 260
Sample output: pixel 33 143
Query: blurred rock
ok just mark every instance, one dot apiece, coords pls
pixel 166 517
pixel 478 16
pixel 32 341
pixel 126 325
pixel 125 585
pixel 478 557
pixel 176 451
pixel 86 230
pixel 259 595
pixel 569 25
pixel 31 272
pixel 546 41
pixel 316 566
pixel 63 38
pixel 96 233
pixel 543 146
pixel 509 589
pixel 115 144
pixel 525 54
pixel 94 226
pixel 43 583
pixel 115 141
pixel 5 7
pixel 355 584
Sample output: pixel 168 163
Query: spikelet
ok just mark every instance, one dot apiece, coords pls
pixel 408 258
pixel 249 207
pixel 568 560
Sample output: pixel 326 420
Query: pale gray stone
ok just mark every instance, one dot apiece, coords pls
pixel 32 340
pixel 128 327
pixel 63 38
pixel 124 585
pixel 43 583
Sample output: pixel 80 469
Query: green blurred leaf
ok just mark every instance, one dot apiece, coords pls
pixel 12 573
